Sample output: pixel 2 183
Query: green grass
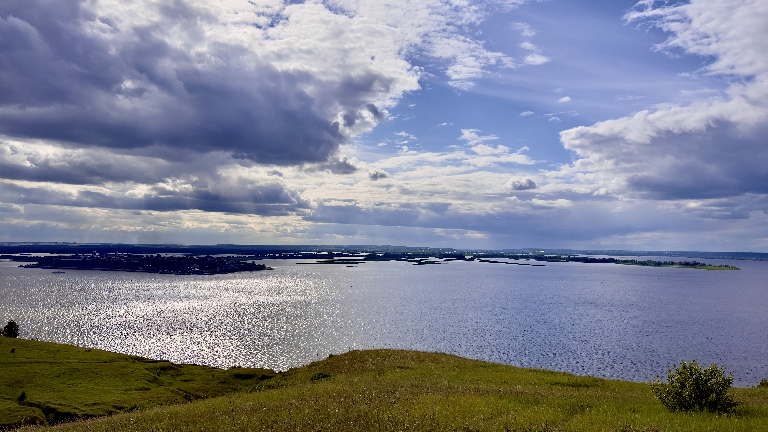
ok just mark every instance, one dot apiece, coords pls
pixel 386 390
pixel 42 382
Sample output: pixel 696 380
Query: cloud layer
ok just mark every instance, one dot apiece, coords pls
pixel 188 78
pixel 714 148
pixel 196 105
pixel 250 121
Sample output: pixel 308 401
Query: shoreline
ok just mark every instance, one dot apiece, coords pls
pixel 209 265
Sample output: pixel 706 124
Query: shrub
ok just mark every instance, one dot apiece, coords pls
pixel 691 388
pixel 320 376
pixel 11 329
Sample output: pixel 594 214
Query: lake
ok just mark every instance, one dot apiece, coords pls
pixel 606 320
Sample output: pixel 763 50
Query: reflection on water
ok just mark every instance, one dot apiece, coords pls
pixel 593 319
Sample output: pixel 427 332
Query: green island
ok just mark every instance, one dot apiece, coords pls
pixel 675 264
pixel 81 389
pixel 178 265
pixel 514 259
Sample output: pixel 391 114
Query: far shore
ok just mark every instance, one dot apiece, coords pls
pixel 190 264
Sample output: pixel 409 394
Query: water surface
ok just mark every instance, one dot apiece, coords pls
pixel 606 320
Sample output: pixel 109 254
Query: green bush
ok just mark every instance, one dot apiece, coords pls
pixel 11 329
pixel 320 376
pixel 691 388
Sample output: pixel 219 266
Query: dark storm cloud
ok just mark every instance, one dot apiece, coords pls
pixel 342 165
pixel 551 225
pixel 375 111
pixel 10 209
pixel 46 60
pixel 265 199
pixel 378 174
pixel 78 168
pixel 430 214
pixel 70 76
pixel 725 161
pixel 521 185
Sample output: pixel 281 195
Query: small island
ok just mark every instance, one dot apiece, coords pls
pixel 653 263
pixel 163 264
pixel 511 259
pixel 679 264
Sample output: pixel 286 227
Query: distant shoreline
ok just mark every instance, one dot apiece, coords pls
pixel 331 251
pixel 189 264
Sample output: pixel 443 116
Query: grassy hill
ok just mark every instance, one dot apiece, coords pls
pixel 43 382
pixel 358 391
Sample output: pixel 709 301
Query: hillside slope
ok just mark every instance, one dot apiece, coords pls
pixel 399 390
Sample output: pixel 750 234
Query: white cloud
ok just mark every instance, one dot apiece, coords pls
pixel 731 33
pixel 710 151
pixel 472 137
pixel 628 97
pixel 558 203
pixel 436 27
pixel 405 137
pixel 469 60
pixel 564 99
pixel 484 150
pixel 525 29
pixel 535 59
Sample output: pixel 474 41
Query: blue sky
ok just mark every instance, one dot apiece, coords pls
pixel 453 123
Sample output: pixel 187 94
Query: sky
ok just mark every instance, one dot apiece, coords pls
pixel 593 124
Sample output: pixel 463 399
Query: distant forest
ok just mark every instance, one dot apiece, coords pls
pixel 312 251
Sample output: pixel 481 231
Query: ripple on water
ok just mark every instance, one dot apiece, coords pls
pixel 604 320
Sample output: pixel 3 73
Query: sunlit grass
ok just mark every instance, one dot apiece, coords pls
pixel 47 382
pixel 414 391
